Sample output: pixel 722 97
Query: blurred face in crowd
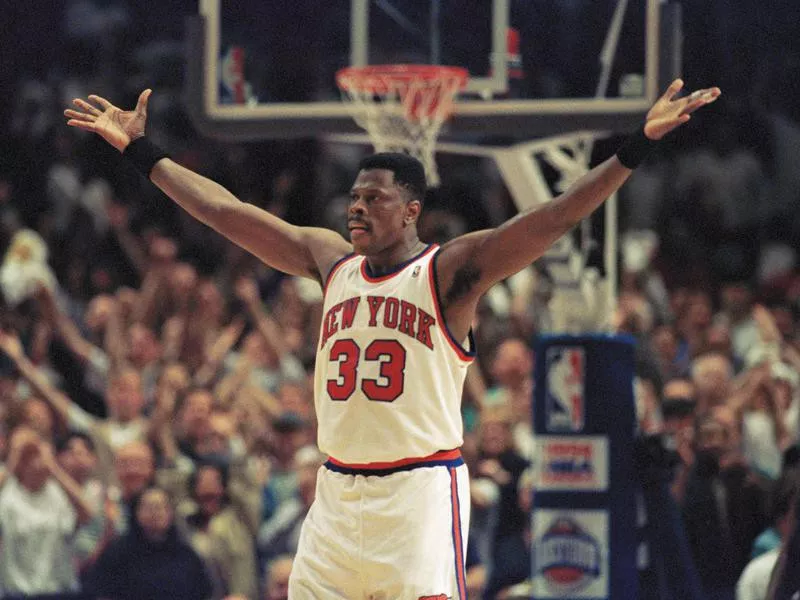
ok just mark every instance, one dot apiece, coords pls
pixel 183 280
pixel 196 412
pixel 8 391
pixel 513 363
pixel 209 490
pixel 37 415
pixel 287 443
pixel 135 466
pixel 210 302
pixel 143 345
pixel 78 459
pixel 277 587
pixel 127 300
pixel 125 395
pixel 495 432
pixel 175 375
pixel 698 312
pixel 678 299
pixel 713 437
pixel 736 299
pixel 718 339
pixel 727 416
pixel 636 314
pixel 154 513
pixel 294 399
pixel 257 351
pixel 665 343
pixel 711 375
pixel 32 471
pixel 98 312
pixel 217 439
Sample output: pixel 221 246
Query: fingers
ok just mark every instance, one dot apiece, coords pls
pixel 674 88
pixel 74 114
pixel 699 99
pixel 85 125
pixel 82 104
pixel 141 105
pixel 101 101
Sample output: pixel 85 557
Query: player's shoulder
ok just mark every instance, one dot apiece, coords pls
pixel 328 249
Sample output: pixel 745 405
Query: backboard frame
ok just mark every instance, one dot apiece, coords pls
pixel 240 122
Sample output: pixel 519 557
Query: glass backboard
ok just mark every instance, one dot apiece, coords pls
pixel 267 69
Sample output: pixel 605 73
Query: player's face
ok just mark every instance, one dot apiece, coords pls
pixel 376 213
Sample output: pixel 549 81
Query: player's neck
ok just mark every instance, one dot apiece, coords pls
pixel 389 258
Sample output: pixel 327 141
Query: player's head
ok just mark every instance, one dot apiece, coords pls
pixel 385 201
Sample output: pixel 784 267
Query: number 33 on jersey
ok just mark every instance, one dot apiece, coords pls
pixel 389 376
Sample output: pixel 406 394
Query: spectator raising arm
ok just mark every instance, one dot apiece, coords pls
pixel 247 292
pixel 66 329
pixel 218 350
pixel 128 242
pixel 12 347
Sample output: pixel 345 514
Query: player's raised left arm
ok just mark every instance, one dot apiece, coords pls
pixel 471 264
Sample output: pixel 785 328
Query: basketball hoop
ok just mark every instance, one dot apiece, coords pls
pixel 403 107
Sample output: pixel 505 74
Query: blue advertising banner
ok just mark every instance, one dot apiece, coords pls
pixel 584 506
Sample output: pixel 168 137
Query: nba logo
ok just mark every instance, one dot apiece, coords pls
pixel 565 389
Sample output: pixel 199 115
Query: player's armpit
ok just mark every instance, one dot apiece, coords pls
pixel 471 264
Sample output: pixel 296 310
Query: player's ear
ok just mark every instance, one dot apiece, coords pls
pixel 413 210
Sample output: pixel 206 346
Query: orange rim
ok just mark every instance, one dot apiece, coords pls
pixel 373 77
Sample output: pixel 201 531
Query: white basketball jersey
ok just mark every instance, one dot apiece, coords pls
pixel 389 376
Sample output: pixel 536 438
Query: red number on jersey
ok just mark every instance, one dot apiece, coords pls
pixel 391 381
pixel 392 372
pixel 343 386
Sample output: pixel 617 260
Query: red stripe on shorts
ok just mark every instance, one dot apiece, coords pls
pixel 458 541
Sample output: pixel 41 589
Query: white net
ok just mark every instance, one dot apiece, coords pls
pixel 403 107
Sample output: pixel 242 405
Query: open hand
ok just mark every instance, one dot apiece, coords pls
pixel 669 111
pixel 116 126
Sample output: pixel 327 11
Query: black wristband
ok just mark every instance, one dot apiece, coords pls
pixel 635 149
pixel 143 154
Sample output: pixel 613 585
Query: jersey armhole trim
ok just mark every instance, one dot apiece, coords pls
pixel 467 355
pixel 334 269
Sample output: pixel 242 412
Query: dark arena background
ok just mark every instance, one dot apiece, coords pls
pixel 632 419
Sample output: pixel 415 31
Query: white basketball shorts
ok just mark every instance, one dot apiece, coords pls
pixel 390 531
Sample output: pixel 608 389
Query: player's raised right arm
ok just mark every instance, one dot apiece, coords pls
pixel 308 252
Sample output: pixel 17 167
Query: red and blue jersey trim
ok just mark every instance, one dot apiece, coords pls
pixel 444 458
pixel 396 269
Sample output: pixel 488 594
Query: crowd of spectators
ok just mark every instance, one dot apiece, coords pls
pixel 157 430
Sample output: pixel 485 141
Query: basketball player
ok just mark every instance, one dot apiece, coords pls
pixel 391 510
